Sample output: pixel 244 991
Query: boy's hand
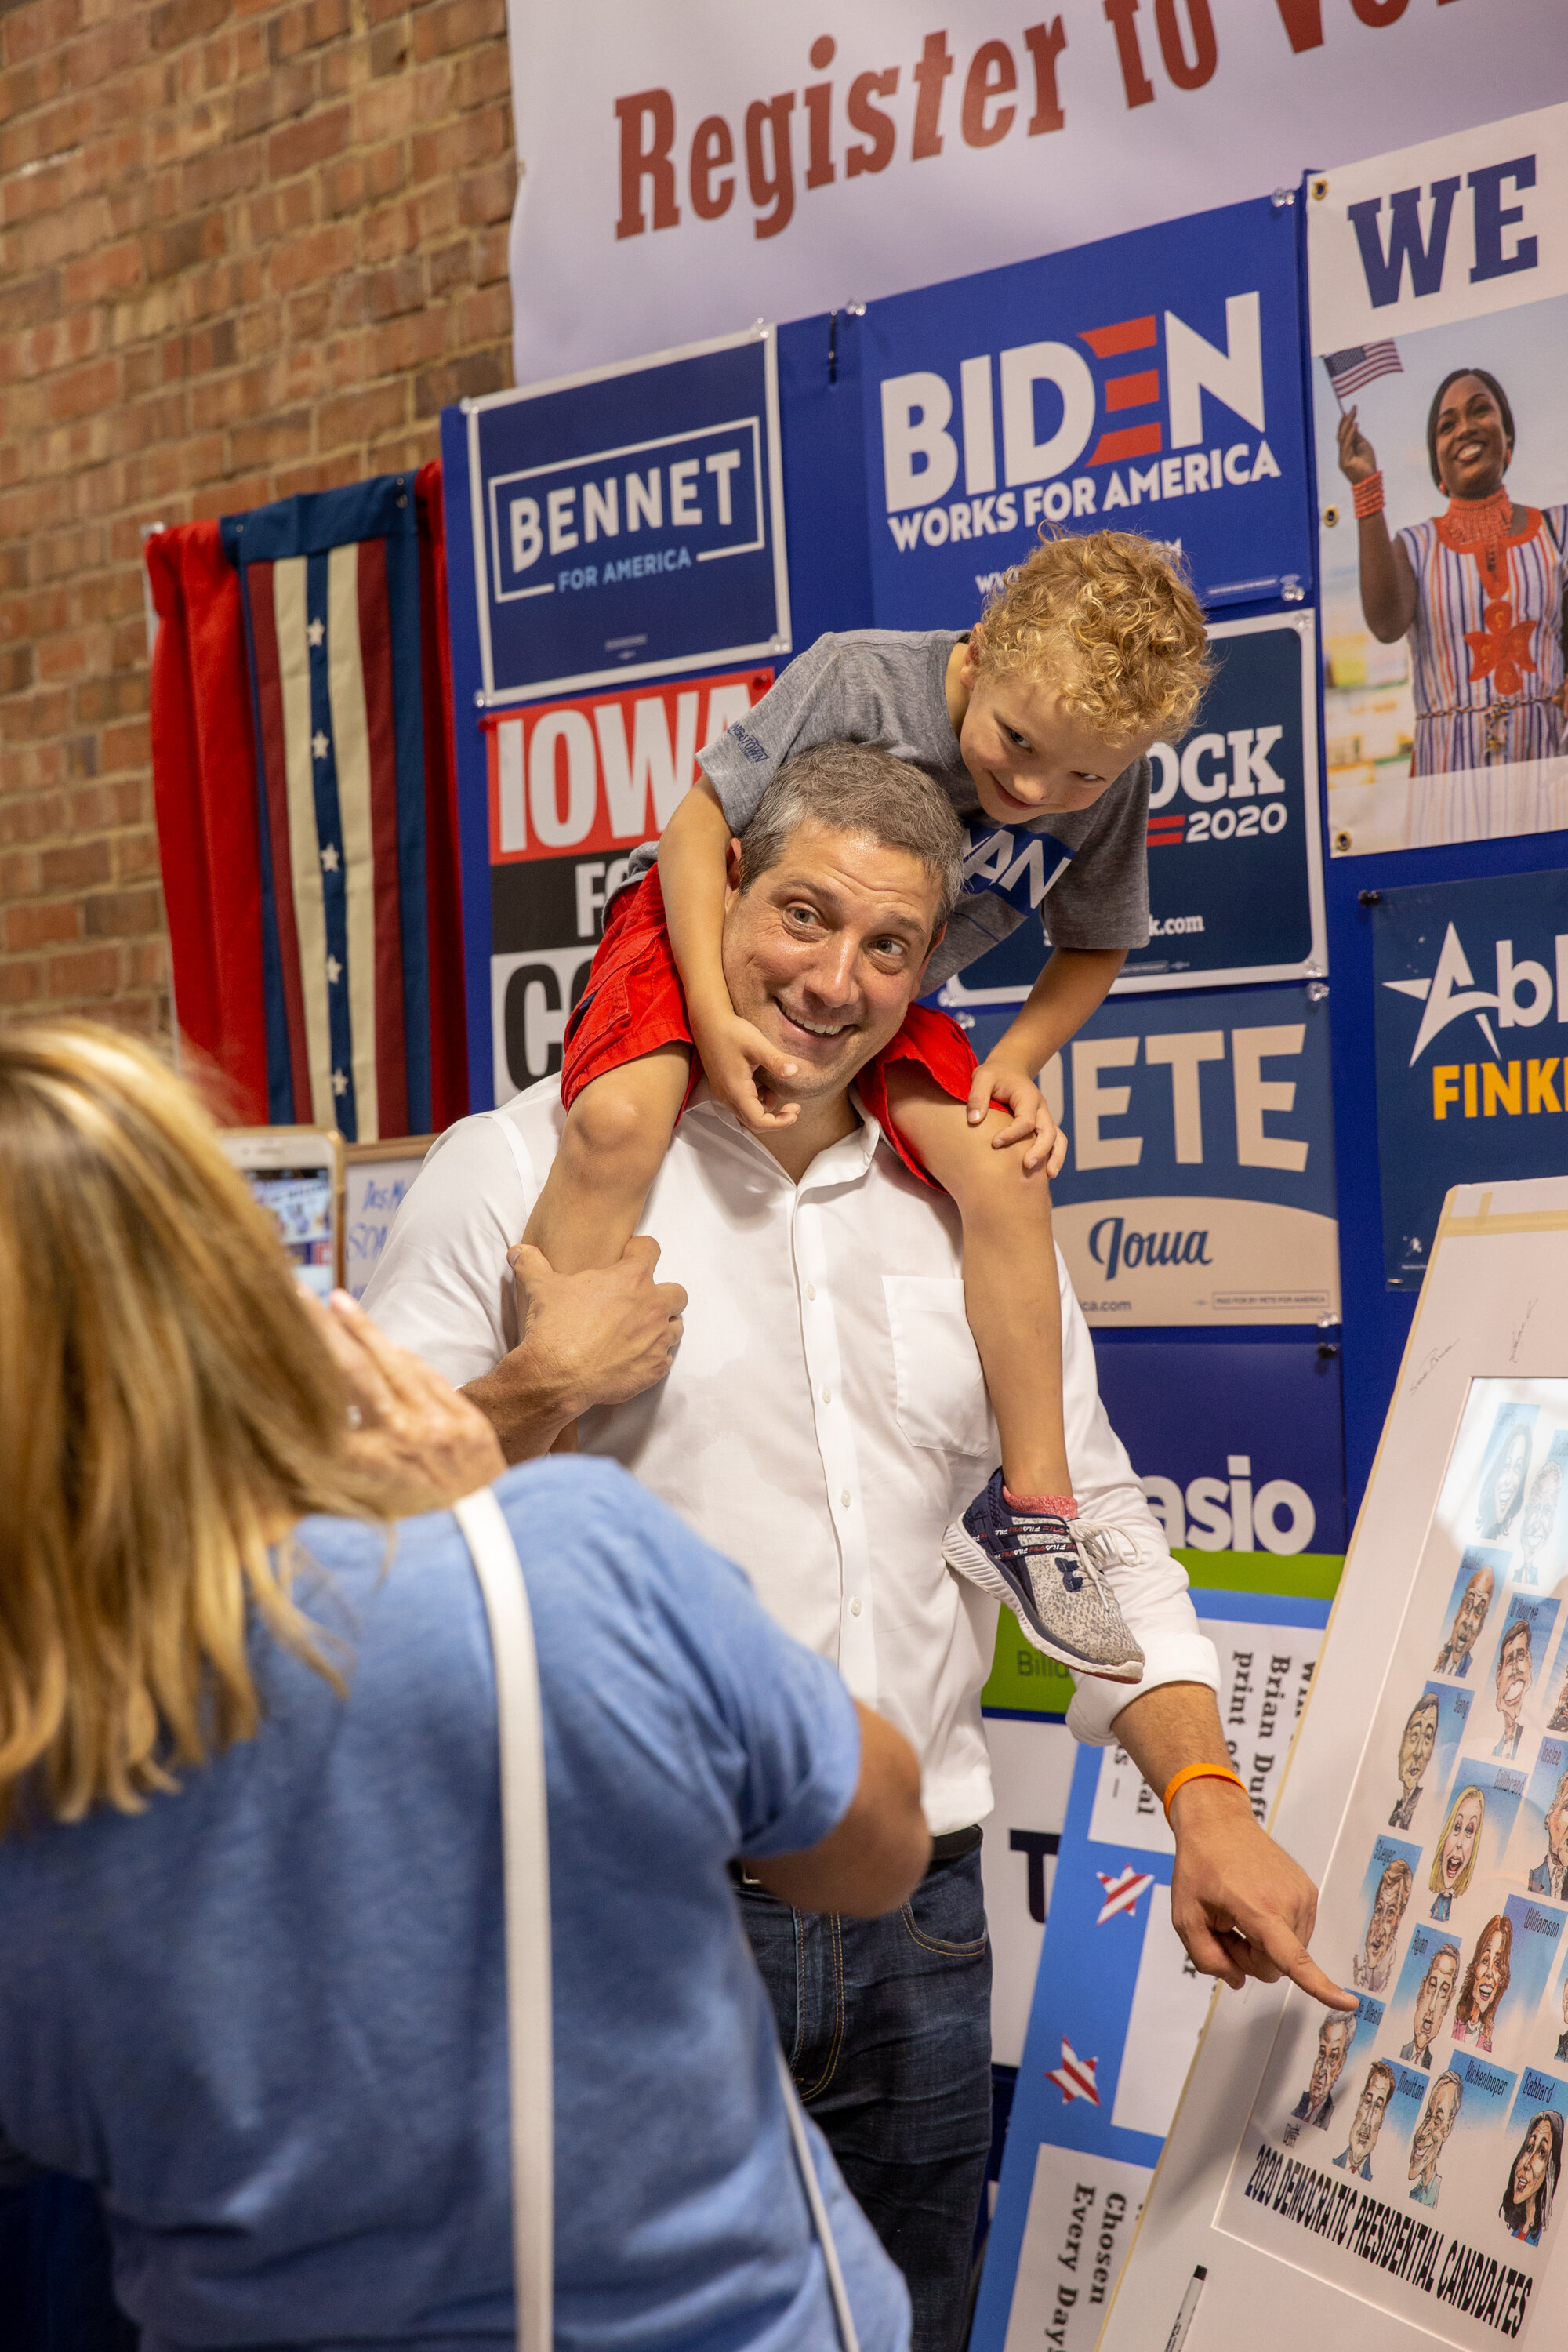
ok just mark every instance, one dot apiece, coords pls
pixel 1031 1118
pixel 735 1056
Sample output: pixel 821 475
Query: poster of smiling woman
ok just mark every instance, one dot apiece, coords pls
pixel 1439 332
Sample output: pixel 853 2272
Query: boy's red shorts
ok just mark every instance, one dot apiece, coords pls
pixel 633 1003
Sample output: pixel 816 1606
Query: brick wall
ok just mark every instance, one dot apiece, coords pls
pixel 245 250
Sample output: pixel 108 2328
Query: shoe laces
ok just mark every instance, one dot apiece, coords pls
pixel 1097 1549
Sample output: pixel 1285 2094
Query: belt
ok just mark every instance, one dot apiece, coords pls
pixel 951 1846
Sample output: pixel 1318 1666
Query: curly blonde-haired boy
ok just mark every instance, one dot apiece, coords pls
pixel 1036 724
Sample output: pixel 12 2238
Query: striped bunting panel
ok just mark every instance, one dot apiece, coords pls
pixel 331 603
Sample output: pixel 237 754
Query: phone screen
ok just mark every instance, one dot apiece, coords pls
pixel 299 1203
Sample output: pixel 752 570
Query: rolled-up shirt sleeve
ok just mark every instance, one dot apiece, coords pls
pixel 1149 1585
pixel 443 1286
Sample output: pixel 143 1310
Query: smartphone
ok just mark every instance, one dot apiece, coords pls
pixel 297 1174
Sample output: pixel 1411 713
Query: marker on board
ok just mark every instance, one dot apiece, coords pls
pixel 1178 2335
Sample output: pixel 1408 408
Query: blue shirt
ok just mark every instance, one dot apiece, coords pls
pixel 267 2014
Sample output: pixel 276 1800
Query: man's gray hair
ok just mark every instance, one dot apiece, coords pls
pixel 857 788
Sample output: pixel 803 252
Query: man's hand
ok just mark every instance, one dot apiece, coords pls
pixel 415 1442
pixel 993 1082
pixel 597 1337
pixel 733 1053
pixel 1240 1904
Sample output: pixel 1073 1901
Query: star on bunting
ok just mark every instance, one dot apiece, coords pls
pixel 330 859
pixel 340 1087
pixel 319 745
pixel 1075 2077
pixel 334 971
pixel 316 632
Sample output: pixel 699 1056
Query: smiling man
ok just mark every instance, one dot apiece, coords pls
pixel 1515 1673
pixel 1367 2121
pixel 823 1415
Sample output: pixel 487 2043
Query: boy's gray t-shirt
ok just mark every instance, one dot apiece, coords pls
pixel 888 687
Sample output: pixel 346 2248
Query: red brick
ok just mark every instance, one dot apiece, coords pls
pixel 457 25
pixel 46 926
pixel 20 984
pixel 176 22
pixel 457 145
pixel 306 27
pixel 360 416
pixel 94 971
pixel 308 143
pixel 464 378
pixel 80 867
pixel 272 440
pixel 307 260
pixel 486 195
pixel 122 914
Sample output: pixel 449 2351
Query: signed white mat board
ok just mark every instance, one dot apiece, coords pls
pixel 1393 2184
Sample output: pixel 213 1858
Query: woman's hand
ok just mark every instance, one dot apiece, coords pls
pixel 1358 459
pixel 993 1082
pixel 735 1056
pixel 418 1445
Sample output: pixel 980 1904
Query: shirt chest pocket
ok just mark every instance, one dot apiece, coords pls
pixel 940 1389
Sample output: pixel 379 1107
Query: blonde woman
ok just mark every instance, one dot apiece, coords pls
pixel 1454 1862
pixel 251 1940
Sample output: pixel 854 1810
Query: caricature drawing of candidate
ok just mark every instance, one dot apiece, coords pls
pixel 1560 2053
pixel 1526 2207
pixel 1503 1483
pixel 1316 2103
pixel 1371 1966
pixel 1432 2003
pixel 1415 1744
pixel 1455 1656
pixel 1540 1516
pixel 1367 2121
pixel 1454 1862
pixel 1486 1981
pixel 1560 1712
pixel 1443 2103
pixel 1515 1673
pixel 1551 1870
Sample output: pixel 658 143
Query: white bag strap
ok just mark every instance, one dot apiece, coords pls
pixel 525 1859
pixel 820 2222
pixel 525 1869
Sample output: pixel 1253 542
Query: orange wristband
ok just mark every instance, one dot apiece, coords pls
pixel 1199 1772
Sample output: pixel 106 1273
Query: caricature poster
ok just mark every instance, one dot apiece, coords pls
pixel 1439 333
pixel 1413 2152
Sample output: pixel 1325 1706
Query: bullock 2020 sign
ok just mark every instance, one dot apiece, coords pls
pixel 1150 383
pixel 1199 1183
pixel 1235 863
pixel 629 523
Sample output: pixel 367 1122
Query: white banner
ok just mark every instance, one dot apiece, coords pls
pixel 686 171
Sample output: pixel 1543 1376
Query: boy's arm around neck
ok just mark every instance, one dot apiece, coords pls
pixel 691 873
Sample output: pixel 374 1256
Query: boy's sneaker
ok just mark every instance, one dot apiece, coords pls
pixel 1050 1572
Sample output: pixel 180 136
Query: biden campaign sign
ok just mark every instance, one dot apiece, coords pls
pixel 629 522
pixel 1148 382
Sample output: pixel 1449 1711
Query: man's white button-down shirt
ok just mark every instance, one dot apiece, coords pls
pixel 825 1415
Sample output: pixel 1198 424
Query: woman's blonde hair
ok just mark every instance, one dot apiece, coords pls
pixel 1111 622
pixel 1462 1884
pixel 167 1410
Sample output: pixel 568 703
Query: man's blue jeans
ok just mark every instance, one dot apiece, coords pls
pixel 887 2027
